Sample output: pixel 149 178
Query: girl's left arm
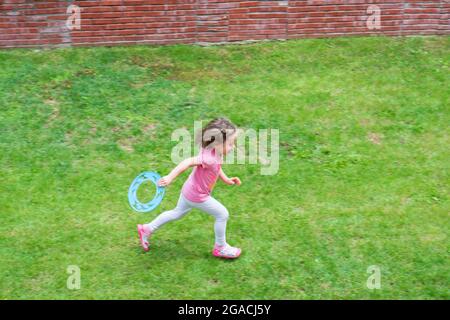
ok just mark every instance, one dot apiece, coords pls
pixel 230 181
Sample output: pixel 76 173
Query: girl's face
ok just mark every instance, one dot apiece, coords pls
pixel 229 143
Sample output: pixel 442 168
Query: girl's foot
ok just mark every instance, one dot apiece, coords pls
pixel 143 236
pixel 226 251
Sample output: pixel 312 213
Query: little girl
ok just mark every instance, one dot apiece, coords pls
pixel 217 139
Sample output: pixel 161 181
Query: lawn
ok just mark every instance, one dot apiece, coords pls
pixel 363 178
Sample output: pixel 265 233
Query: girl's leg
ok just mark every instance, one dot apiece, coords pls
pixel 145 231
pixel 218 210
pixel 180 210
pixel 221 248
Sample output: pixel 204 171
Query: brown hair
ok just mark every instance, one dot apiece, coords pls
pixel 216 131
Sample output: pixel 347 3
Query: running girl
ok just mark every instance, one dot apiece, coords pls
pixel 217 139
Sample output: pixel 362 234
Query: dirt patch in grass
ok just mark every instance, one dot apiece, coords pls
pixel 375 138
pixel 58 84
pixel 139 85
pixel 51 102
pixel 149 129
pixel 85 72
pixel 122 128
pixel 436 43
pixel 214 71
pixel 181 74
pixel 156 66
pixel 68 136
pixel 365 123
pixel 173 70
pixel 289 148
pixel 36 283
pixel 55 112
pixel 126 144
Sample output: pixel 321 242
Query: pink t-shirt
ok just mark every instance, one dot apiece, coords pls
pixel 201 181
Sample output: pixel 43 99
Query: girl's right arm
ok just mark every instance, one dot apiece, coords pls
pixel 180 168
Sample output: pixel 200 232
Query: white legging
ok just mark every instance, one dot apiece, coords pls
pixel 210 206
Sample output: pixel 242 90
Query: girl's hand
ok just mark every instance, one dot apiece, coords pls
pixel 234 180
pixel 164 181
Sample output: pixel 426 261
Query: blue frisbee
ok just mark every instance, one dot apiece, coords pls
pixel 152 204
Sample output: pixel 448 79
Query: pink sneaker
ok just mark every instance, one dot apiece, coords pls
pixel 143 237
pixel 226 251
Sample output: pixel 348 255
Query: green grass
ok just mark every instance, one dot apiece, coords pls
pixel 363 179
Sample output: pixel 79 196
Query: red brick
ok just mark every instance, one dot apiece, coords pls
pixel 25 23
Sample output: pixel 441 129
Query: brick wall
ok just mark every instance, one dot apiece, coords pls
pixel 25 23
